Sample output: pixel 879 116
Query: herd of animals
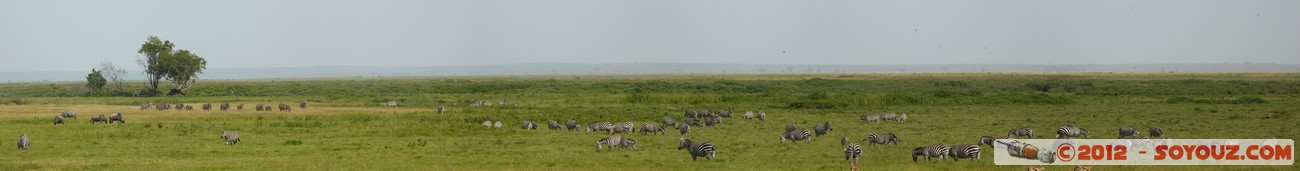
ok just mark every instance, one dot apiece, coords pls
pixel 618 131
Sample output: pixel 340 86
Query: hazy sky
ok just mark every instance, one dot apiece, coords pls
pixel 57 35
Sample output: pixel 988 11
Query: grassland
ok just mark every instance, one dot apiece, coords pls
pixel 345 127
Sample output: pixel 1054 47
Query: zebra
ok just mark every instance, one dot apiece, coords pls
pixel 889 116
pixel 144 106
pixel 1019 132
pixel 189 107
pixel 902 117
pixel 630 142
pixel 705 149
pixel 69 114
pixel 668 121
pixel 225 106
pixel 1155 132
pixel 599 126
pixel 529 125
pixel 303 105
pixel 259 107
pixel 58 119
pixel 937 150
pixel 790 127
pixel 285 107
pixel 487 124
pixel 497 124
pixel 1125 131
pixel 882 138
pixel 724 113
pixel 625 127
pixel 795 136
pixel 441 109
pixel 822 129
pixel 24 142
pixel 652 128
pixel 873 118
pixel 1071 131
pixel 553 125
pixel 970 151
pixel 571 125
pixel 390 104
pixel 613 141
pixel 231 137
pixel 986 140
pixel 207 106
pixel 98 119
pixel 713 120
pixel 684 128
pixel 690 113
pixel 116 117
pixel 1082 167
pixel 762 115
pixel 240 107
pixel 852 152
pixel 704 113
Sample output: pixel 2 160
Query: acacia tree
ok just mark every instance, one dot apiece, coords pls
pixel 162 61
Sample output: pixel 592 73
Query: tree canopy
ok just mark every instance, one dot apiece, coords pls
pixel 162 60
pixel 95 80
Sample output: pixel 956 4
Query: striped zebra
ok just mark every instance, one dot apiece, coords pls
pixel 762 115
pixel 285 107
pixel 684 128
pixel 1125 131
pixel 1082 167
pixel 207 106
pixel 390 104
pixel 613 141
pixel 652 128
pixel 98 119
pixel 694 122
pixel 1021 132
pixel 882 138
pixel 873 118
pixel 749 115
pixel 553 125
pixel 690 113
pixel 986 140
pixel 600 126
pixel 225 106
pixel 937 150
pixel 889 116
pixel 705 149
pixel 625 127
pixel 822 129
pixel 69 114
pixel 790 127
pixel 712 120
pixel 795 136
pixel 668 121
pixel 964 151
pixel 852 152
pixel 231 137
pixel 1155 132
pixel 724 113
pixel 58 119
pixel 1071 132
pixel 902 117
pixel 116 117
pixel 441 109
pixel 24 142
pixel 571 125
pixel 144 106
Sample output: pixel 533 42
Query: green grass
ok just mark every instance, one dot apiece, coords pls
pixel 344 128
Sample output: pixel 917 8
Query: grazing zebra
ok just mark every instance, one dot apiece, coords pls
pixel 303 105
pixel 790 127
pixel 794 136
pixel 69 114
pixel 749 115
pixel 668 121
pixel 116 117
pixel 1035 168
pixel 1155 132
pixel 231 137
pixel 652 128
pixel 553 125
pixel 1125 131
pixel 628 142
pixel 696 150
pixel 1082 167
pixel 762 115
pixel 1019 132
pixel 613 141
pixel 1071 132
pixel 529 125
pixel 496 124
pixel 902 117
pixel 285 107
pixel 873 118
pixel 965 151
pixel 882 138
pixel 24 142
pixel 98 119
pixel 713 120
pixel 58 119
pixel 684 128
pixel 441 109
pixel 391 104
pixel 889 116
pixel 986 140
pixel 225 106
pixel 704 113
pixel 852 152
pixel 571 125
pixel 690 113
pixel 625 127
pixel 259 107
pixel 600 126
pixel 144 106
pixel 207 106
pixel 822 129
pixel 724 113
pixel 693 122
pixel 240 107
pixel 937 150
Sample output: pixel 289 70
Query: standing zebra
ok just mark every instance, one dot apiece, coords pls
pixel 285 107
pixel 441 109
pixel 58 119
pixel 600 126
pixel 231 137
pixel 258 107
pixel 1125 131
pixel 965 151
pixel 24 142
pixel 240 107
pixel 144 106
pixel 116 117
pixel 98 119
pixel 1071 132
pixel 712 120
pixel 696 150
pixel 684 128
pixel 391 104
pixel 822 129
pixel 1019 132
pixel 625 127
pixel 69 114
pixel 652 128
pixel 937 150
pixel 762 115
pixel 795 136
pixel 529 125
pixel 207 106
pixel 693 122
pixel 882 138
pixel 852 152
pixel 749 115
pixel 690 113
pixel 1155 132
pixel 571 125
pixel 668 121
pixel 553 125
pixel 724 113
pixel 889 116
pixel 303 105
pixel 225 106
pixel 613 141
pixel 902 117
pixel 986 140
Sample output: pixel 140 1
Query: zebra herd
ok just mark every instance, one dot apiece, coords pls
pixel 116 117
pixel 618 131
pixel 222 107
pixel 891 116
